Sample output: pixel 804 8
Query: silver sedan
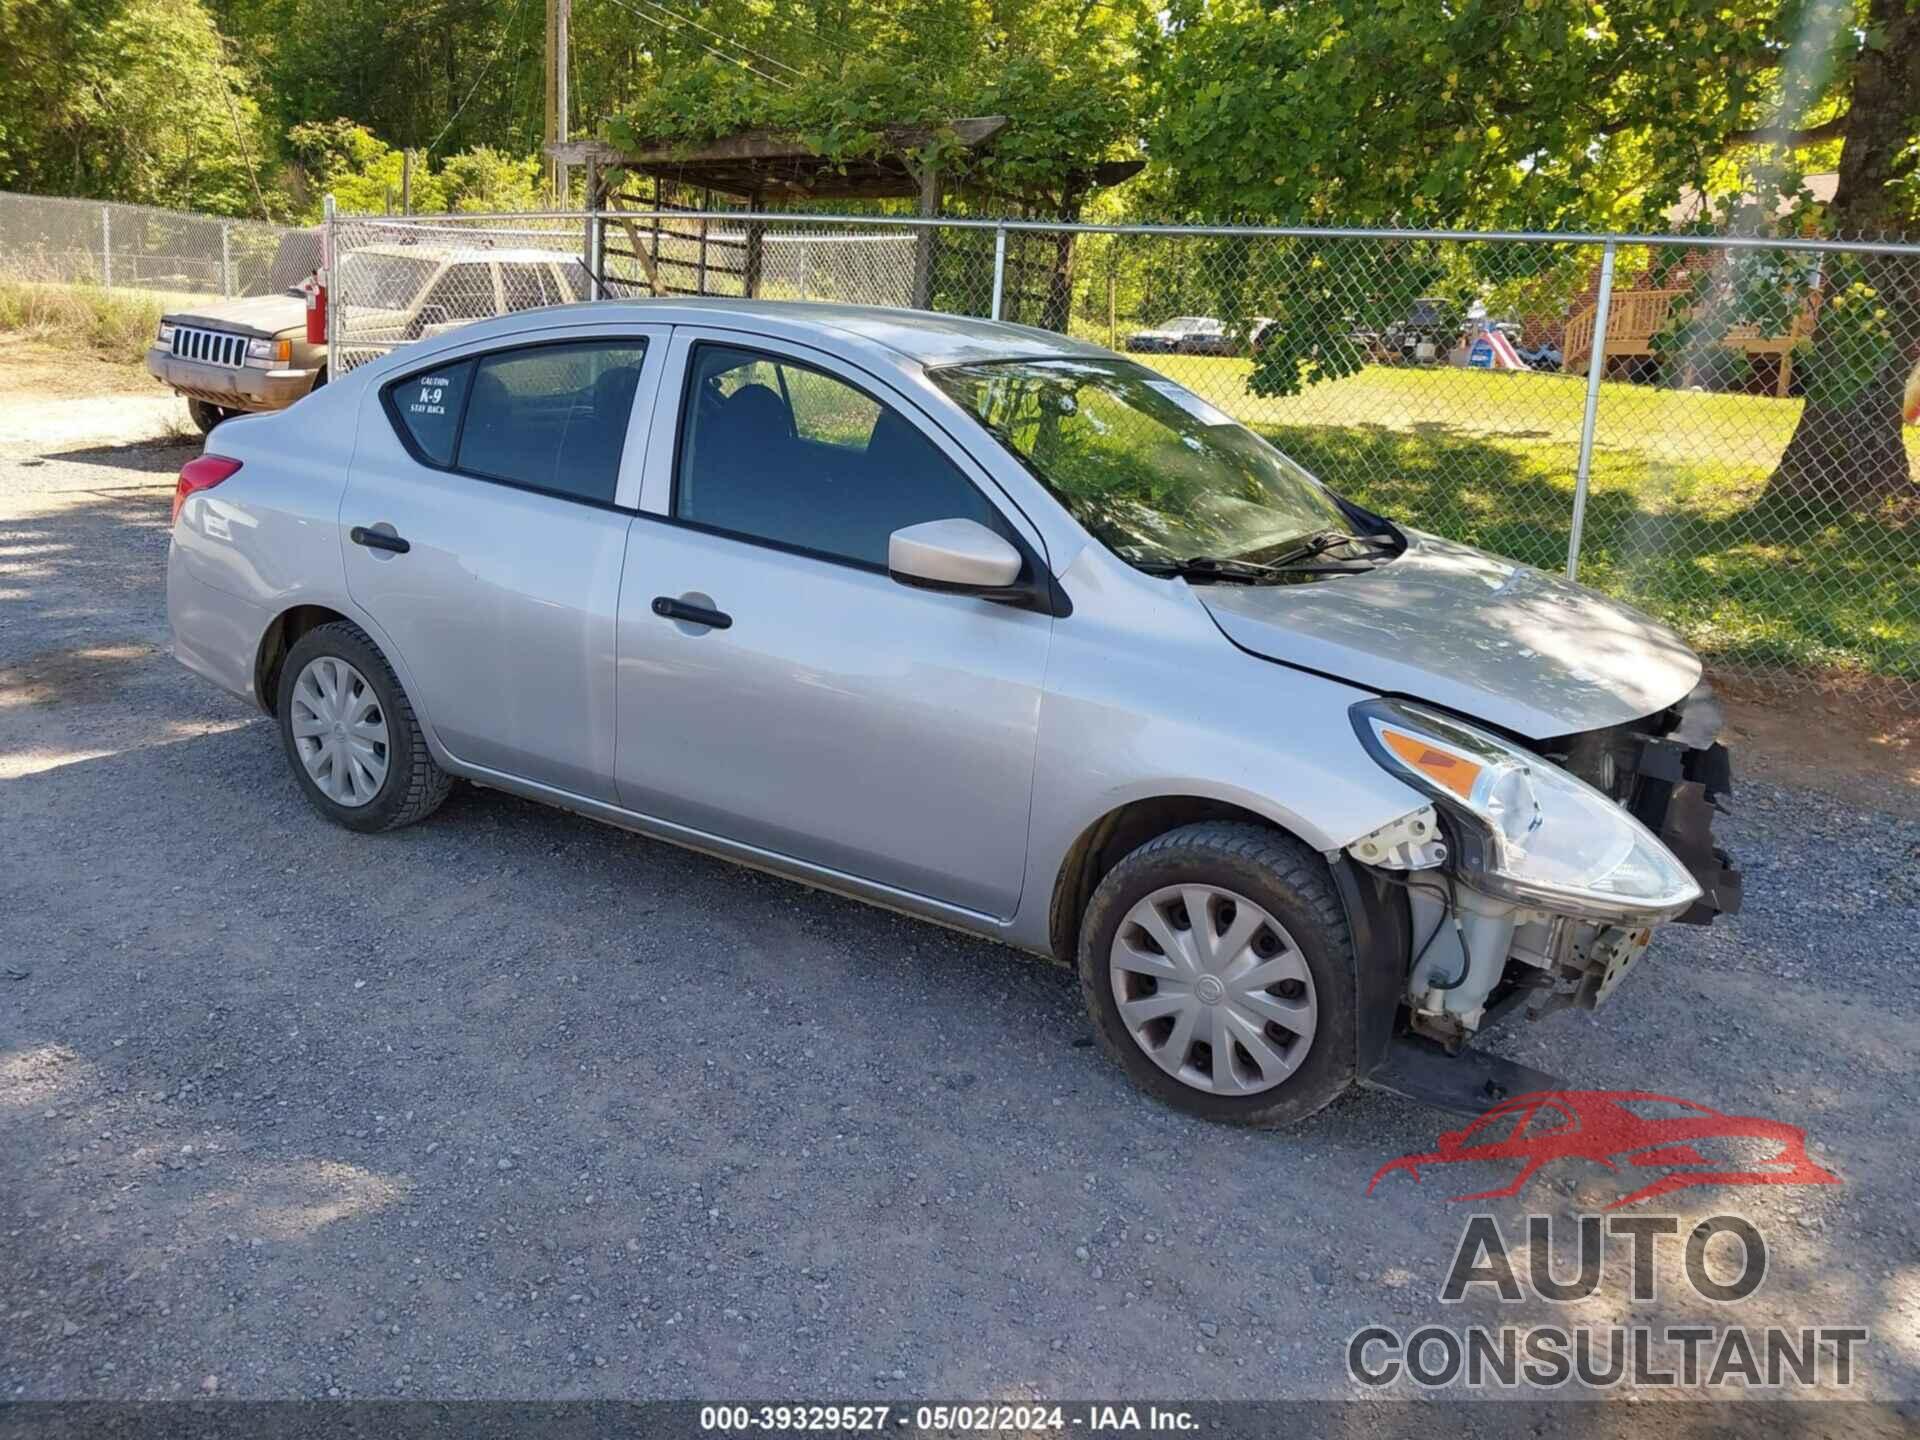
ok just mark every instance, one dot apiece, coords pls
pixel 983 624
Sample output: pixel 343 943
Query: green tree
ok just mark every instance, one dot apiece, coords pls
pixel 126 100
pixel 1063 71
pixel 363 173
pixel 484 180
pixel 1564 114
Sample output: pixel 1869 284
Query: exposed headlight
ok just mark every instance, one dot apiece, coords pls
pixel 166 333
pixel 1528 831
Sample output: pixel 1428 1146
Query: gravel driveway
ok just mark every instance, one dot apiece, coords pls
pixel 510 1103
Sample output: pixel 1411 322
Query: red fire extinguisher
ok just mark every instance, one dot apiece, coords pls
pixel 316 288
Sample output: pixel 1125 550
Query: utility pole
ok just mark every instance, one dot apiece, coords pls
pixel 563 32
pixel 559 21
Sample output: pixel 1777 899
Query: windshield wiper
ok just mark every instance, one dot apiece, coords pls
pixel 1211 567
pixel 1252 572
pixel 1308 547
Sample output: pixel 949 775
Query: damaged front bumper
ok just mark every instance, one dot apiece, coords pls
pixel 1678 781
pixel 1473 958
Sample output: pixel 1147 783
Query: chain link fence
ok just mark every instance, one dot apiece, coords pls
pixel 48 240
pixel 1714 430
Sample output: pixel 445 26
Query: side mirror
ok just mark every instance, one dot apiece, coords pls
pixel 960 556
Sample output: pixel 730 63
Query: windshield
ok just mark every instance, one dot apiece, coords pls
pixel 1151 469
pixel 384 282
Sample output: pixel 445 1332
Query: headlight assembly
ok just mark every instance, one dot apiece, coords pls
pixel 166 333
pixel 1527 830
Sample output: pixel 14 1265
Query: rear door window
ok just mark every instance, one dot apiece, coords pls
pixel 552 417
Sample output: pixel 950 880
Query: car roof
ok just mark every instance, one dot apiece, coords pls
pixel 919 335
pixel 463 253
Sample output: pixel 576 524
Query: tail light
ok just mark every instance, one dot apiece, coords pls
pixel 201 474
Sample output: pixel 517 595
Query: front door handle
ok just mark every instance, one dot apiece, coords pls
pixel 378 540
pixel 668 608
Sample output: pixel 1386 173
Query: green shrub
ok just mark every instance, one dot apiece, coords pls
pixel 113 324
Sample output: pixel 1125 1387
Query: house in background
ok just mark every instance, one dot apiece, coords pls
pixel 1642 309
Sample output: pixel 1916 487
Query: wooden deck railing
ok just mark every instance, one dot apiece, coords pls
pixel 1636 316
pixel 1633 319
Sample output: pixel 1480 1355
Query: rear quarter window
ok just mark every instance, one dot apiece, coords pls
pixel 426 409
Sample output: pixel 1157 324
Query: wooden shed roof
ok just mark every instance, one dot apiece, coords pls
pixel 774 164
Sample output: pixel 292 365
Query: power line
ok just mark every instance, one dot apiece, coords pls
pixel 737 44
pixel 233 117
pixel 480 79
pixel 793 27
pixel 656 21
pixel 711 50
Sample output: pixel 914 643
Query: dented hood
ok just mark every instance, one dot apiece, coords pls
pixel 1504 643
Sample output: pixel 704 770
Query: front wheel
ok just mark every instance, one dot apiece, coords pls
pixel 351 735
pixel 205 416
pixel 1218 967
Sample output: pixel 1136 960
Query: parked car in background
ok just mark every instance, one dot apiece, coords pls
pixel 1544 356
pixel 1182 335
pixel 983 624
pixel 402 292
pixel 1426 334
pixel 251 355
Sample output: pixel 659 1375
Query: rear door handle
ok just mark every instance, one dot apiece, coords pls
pixel 668 608
pixel 378 540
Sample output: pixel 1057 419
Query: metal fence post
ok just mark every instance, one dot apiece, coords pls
pixel 226 260
pixel 596 240
pixel 999 269
pixel 106 246
pixel 329 249
pixel 1596 367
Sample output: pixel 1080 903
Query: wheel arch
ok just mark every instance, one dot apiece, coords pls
pixel 280 636
pixel 1114 836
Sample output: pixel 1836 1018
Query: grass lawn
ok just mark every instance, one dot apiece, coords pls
pixel 1677 520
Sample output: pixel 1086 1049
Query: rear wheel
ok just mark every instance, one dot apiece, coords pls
pixel 351 735
pixel 1218 967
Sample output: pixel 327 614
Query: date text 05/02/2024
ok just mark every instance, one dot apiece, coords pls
pixel 984 1418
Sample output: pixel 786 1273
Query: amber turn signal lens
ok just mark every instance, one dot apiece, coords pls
pixel 1442 767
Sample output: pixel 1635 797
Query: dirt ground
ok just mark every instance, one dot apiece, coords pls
pixel 51 396
pixel 510 1104
pixel 1858 748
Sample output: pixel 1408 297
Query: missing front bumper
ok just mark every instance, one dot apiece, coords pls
pixel 1680 787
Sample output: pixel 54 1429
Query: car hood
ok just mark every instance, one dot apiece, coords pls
pixel 262 315
pixel 1503 643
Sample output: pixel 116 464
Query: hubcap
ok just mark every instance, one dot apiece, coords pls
pixel 339 731
pixel 1213 989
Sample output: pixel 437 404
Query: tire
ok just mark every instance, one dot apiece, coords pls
pixel 205 416
pixel 412 785
pixel 1309 938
